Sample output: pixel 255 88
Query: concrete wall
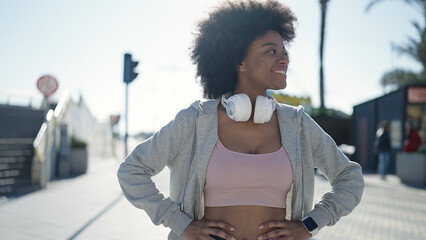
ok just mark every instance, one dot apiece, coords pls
pixel 19 122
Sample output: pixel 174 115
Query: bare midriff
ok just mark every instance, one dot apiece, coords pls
pixel 245 219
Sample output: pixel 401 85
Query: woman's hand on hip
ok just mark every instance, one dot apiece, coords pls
pixel 286 230
pixel 203 229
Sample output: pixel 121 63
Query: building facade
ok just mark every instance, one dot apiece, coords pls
pixel 403 109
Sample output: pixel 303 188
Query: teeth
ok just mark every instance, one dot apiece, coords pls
pixel 280 72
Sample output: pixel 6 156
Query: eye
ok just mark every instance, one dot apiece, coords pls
pixel 273 51
pixel 285 53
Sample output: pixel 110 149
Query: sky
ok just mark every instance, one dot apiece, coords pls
pixel 82 44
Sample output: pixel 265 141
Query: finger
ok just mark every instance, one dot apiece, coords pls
pixel 275 238
pixel 273 224
pixel 275 234
pixel 221 234
pixel 220 224
pixel 213 237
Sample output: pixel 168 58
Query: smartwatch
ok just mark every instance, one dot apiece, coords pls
pixel 310 225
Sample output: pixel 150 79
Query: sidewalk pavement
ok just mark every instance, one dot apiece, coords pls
pixel 389 210
pixel 92 206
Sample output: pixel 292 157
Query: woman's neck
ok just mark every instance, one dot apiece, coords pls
pixel 251 93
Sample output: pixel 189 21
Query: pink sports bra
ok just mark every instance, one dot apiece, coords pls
pixel 235 178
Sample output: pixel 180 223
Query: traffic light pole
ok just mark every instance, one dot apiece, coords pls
pixel 126 135
pixel 129 75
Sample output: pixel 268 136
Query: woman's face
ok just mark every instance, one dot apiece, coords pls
pixel 265 65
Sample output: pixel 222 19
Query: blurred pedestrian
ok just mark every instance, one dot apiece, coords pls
pixel 383 148
pixel 241 164
pixel 412 141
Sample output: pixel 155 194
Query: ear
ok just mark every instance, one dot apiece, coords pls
pixel 242 67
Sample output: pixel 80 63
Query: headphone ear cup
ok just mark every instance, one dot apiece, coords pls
pixel 239 107
pixel 263 110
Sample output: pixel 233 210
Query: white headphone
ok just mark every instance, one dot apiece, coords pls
pixel 238 108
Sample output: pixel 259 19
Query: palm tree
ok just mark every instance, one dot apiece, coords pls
pixel 415 48
pixel 419 5
pixel 323 20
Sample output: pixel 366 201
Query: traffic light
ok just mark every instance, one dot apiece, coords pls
pixel 129 68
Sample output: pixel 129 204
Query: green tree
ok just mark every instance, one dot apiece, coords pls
pixel 415 48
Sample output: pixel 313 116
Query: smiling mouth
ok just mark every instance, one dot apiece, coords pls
pixel 281 72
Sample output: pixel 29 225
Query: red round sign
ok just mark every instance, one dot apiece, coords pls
pixel 47 85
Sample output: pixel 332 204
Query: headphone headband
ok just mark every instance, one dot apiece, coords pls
pixel 239 108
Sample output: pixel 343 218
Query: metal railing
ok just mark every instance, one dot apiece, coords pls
pixel 44 142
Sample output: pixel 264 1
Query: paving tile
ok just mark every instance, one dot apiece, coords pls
pixel 91 206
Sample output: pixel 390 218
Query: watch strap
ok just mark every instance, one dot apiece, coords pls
pixel 310 225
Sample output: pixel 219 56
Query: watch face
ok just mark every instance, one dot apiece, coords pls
pixel 310 224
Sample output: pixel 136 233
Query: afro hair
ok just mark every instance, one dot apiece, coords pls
pixel 224 36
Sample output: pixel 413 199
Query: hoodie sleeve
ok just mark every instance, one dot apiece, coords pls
pixel 344 176
pixel 148 159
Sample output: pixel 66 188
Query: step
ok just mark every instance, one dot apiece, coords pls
pixel 16 153
pixel 12 173
pixel 22 160
pixel 11 184
pixel 15 181
pixel 17 189
pixel 12 166
pixel 25 172
pixel 16 157
pixel 10 141
pixel 4 147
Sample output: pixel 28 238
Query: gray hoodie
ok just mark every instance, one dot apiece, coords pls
pixel 186 143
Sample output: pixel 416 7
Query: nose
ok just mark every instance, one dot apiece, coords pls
pixel 284 60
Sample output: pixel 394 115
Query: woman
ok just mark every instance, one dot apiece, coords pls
pixel 242 165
